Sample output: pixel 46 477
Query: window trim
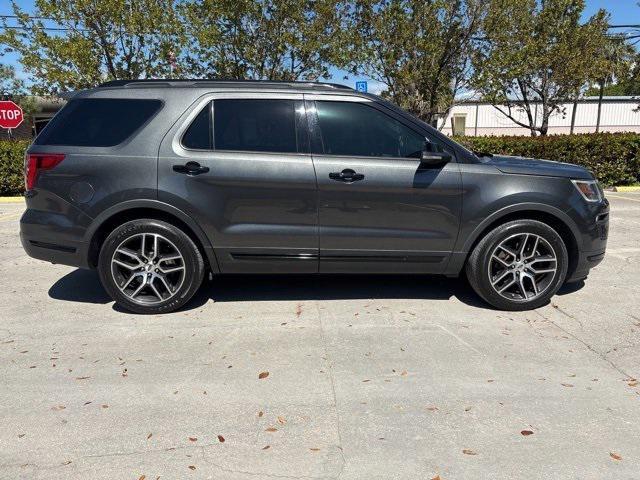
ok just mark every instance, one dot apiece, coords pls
pixel 320 138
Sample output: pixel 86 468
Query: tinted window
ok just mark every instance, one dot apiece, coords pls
pixel 97 122
pixel 198 135
pixel 355 129
pixel 255 125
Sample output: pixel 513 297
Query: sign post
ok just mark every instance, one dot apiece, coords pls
pixel 10 115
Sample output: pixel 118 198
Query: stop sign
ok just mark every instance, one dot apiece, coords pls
pixel 10 114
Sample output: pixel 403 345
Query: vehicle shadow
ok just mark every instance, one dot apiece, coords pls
pixel 84 286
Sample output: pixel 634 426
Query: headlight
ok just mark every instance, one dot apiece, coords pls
pixel 588 189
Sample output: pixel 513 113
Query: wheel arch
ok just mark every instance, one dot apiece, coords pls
pixel 551 216
pixel 108 220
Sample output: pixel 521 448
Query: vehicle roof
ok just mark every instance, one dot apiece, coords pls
pixel 222 84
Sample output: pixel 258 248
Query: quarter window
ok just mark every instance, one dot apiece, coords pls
pixel 255 125
pixel 97 122
pixel 355 129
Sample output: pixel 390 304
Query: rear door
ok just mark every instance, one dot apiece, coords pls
pixel 380 209
pixel 239 163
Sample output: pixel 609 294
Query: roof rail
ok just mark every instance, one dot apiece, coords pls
pixel 202 82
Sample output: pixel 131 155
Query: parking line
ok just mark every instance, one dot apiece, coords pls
pixel 623 198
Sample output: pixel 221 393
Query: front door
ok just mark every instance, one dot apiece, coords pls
pixel 380 209
pixel 239 164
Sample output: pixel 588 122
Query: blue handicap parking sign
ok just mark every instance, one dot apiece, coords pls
pixel 361 86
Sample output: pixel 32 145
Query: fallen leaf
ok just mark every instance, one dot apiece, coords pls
pixel 467 451
pixel 142 477
pixel 526 433
pixel 566 385
pixel 260 413
pixel 266 447
pixel 271 429
pixel 67 462
pixel 263 375
pixel 149 436
pixel 105 406
pixel 432 409
pixel 282 420
pixel 615 456
pixel 20 435
pixel 193 439
pixel 633 383
pixel 57 408
pixel 220 438
pixel 192 467
pixel 490 381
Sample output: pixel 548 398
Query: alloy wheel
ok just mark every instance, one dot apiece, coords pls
pixel 522 267
pixel 148 268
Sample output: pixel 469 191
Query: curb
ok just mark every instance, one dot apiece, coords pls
pixel 11 199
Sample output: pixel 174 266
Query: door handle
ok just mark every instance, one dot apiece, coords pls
pixel 190 168
pixel 347 176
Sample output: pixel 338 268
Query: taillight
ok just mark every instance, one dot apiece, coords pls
pixel 35 162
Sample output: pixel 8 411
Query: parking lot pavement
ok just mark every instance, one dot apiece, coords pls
pixel 368 378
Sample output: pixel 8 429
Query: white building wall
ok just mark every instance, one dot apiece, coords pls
pixel 617 116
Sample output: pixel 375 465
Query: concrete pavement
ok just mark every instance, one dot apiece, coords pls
pixel 368 378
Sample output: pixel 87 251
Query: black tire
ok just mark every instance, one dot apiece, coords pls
pixel 478 267
pixel 192 262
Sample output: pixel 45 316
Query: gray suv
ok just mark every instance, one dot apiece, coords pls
pixel 156 183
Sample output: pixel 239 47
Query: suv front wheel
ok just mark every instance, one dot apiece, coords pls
pixel 150 266
pixel 519 265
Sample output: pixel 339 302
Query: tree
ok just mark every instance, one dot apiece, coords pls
pixel 419 49
pixel 262 39
pixel 536 55
pixel 73 44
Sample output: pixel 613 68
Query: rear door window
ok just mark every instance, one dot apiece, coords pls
pixel 98 122
pixel 255 125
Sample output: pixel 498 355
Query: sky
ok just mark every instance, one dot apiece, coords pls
pixel 623 12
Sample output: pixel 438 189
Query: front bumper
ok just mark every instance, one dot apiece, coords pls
pixel 596 234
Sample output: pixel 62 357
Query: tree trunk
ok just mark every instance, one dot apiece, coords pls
pixel 600 95
pixel 573 115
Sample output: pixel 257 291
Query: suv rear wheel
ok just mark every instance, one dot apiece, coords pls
pixel 519 265
pixel 150 266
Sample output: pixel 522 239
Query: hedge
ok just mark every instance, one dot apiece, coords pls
pixel 12 166
pixel 613 157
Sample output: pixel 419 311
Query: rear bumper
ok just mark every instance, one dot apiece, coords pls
pixel 53 237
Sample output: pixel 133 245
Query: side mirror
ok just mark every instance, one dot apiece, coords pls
pixel 433 155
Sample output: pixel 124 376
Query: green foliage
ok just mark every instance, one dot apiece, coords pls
pixel 12 166
pixel 614 158
pixel 540 52
pixel 261 39
pixel 419 49
pixel 93 41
